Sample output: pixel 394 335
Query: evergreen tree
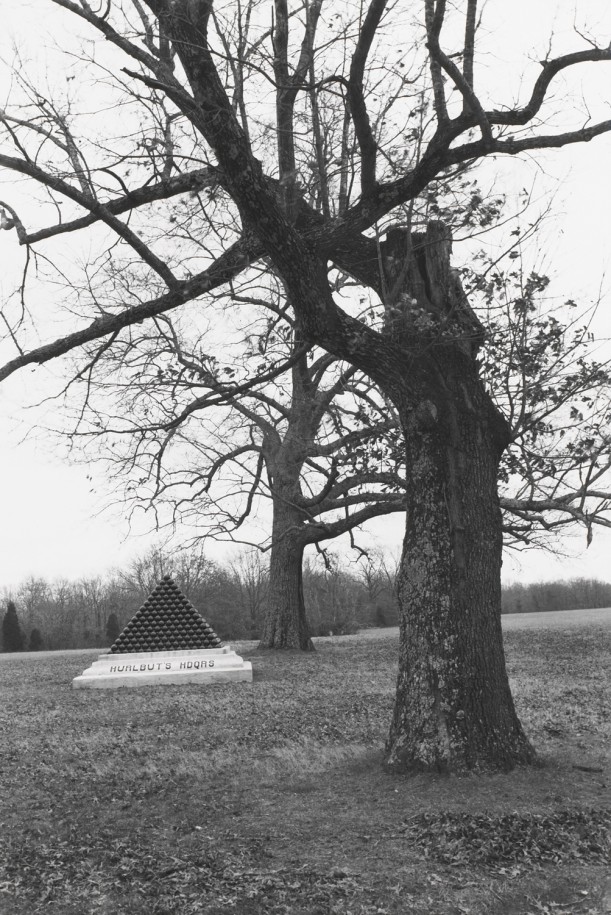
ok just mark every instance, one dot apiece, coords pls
pixel 12 636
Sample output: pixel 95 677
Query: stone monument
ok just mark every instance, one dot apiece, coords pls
pixel 166 641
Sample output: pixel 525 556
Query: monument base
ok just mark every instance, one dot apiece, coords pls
pixel 154 668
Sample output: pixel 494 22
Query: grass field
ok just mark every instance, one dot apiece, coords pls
pixel 271 798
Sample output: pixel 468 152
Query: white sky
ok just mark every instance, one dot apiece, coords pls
pixel 52 522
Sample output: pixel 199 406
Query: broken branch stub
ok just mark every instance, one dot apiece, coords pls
pixel 425 300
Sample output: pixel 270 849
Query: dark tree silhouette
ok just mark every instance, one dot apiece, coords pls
pixel 113 629
pixel 12 636
pixel 36 642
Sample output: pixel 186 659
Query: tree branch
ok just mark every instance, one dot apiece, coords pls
pixel 148 193
pixel 226 394
pixel 434 13
pixel 318 531
pixel 222 271
pixel 84 11
pixel 97 210
pixel 469 43
pixel 471 103
pixel 551 68
pixel 356 97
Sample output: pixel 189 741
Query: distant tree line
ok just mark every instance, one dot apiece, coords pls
pixel 543 596
pixel 92 612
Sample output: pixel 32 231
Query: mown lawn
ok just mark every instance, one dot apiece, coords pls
pixel 271 798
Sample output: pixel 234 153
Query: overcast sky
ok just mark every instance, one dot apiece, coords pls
pixel 52 518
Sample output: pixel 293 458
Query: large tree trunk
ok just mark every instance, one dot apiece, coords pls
pixel 285 624
pixel 453 708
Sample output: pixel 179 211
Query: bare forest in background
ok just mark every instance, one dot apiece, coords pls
pixel 89 613
pixel 230 596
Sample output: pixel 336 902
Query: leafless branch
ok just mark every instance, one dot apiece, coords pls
pixel 356 97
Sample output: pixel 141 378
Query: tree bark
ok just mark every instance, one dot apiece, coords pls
pixel 453 708
pixel 285 624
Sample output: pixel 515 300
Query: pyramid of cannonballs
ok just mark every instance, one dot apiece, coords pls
pixel 167 621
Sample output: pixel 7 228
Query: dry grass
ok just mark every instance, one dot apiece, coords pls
pixel 271 798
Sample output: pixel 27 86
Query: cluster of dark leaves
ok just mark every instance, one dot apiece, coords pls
pixel 515 838
pixel 100 869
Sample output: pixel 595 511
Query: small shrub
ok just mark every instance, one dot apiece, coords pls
pixel 113 630
pixel 35 640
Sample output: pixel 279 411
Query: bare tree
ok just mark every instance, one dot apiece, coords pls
pixel 379 578
pixel 453 707
pixel 320 445
pixel 252 579
pixel 325 451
